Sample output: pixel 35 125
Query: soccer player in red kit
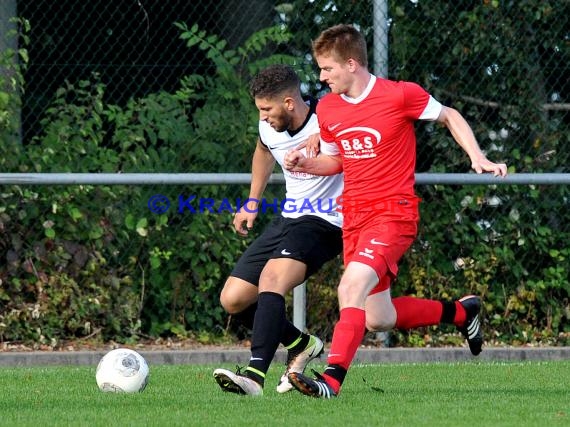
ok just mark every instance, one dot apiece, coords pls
pixel 370 122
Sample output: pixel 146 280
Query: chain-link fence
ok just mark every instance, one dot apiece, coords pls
pixel 504 64
pixel 161 86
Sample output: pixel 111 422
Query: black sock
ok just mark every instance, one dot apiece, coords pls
pixel 245 318
pixel 292 338
pixel 448 312
pixel 267 331
pixel 337 372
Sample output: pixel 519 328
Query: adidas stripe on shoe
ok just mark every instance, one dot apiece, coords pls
pixel 317 387
pixel 472 330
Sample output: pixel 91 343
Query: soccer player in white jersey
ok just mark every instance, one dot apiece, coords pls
pixel 294 245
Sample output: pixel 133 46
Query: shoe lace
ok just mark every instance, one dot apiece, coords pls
pixel 319 377
pixel 240 370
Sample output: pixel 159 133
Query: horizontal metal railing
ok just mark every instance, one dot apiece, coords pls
pixel 245 178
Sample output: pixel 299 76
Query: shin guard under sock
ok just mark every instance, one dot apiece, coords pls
pixel 347 337
pixel 267 330
pixel 245 318
pixel 417 312
pixel 292 336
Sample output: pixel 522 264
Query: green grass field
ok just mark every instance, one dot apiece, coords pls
pixel 461 394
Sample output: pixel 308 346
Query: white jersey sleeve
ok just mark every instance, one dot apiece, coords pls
pixel 432 110
pixel 329 148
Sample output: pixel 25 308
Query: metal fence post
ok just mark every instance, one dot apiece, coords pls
pixel 299 306
pixel 380 45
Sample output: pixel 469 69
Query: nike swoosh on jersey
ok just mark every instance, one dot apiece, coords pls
pixel 377 242
pixel 285 252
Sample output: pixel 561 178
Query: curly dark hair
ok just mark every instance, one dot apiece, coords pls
pixel 275 80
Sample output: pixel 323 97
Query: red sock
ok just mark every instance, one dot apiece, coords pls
pixel 333 382
pixel 347 336
pixel 416 312
pixel 460 315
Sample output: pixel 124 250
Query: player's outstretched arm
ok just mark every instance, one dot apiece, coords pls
pixel 464 136
pixel 262 166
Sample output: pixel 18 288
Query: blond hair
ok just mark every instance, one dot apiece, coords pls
pixel 342 42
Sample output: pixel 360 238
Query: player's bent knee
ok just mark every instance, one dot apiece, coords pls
pixel 380 326
pixel 381 323
pixel 231 304
pixel 237 295
pixel 233 307
pixel 227 305
pixel 351 295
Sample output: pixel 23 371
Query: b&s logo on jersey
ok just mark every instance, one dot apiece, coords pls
pixel 359 142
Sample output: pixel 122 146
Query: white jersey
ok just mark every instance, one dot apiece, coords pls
pixel 306 194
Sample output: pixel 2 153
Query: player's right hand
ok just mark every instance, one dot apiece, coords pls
pixel 243 221
pixel 292 158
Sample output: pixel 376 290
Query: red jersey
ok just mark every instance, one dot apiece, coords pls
pixel 375 136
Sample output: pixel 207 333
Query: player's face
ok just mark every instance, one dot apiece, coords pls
pixel 274 112
pixel 335 74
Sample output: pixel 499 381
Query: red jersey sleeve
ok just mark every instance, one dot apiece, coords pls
pixel 415 100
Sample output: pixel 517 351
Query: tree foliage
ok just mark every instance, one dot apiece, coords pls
pixel 504 66
pixel 91 261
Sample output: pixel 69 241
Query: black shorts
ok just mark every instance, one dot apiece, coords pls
pixel 308 239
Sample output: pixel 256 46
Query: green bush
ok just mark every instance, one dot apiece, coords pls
pixel 91 262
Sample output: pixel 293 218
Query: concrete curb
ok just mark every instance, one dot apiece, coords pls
pixel 241 356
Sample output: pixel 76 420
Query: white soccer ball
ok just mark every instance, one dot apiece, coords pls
pixel 122 371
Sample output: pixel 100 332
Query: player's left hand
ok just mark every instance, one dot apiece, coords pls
pixel 484 165
pixel 311 144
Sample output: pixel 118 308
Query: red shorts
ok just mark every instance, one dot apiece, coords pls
pixel 378 241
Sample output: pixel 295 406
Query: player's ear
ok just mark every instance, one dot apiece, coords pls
pixel 289 103
pixel 352 64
